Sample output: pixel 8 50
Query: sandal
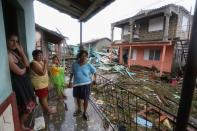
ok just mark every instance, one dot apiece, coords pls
pixel 77 113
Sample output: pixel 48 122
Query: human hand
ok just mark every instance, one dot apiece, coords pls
pixel 45 60
pixel 20 48
pixel 24 70
pixel 94 82
pixel 70 85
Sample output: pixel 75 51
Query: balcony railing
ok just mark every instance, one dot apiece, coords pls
pixel 123 110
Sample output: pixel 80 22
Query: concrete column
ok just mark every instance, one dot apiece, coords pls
pixel 81 32
pixel 120 55
pixel 162 59
pixel 122 33
pixel 112 33
pixel 131 23
pixel 129 57
pixel 166 27
pixel 110 52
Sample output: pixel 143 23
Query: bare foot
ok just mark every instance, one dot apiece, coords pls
pixel 52 110
pixel 64 96
pixel 23 128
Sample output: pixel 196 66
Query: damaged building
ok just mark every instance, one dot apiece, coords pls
pixel 152 37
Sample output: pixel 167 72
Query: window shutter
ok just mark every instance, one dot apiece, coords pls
pixel 146 54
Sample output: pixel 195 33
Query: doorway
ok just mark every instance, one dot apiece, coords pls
pixel 14 20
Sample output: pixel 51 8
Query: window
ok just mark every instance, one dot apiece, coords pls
pixel 155 24
pixel 136 31
pixel 133 54
pixel 184 23
pixel 152 54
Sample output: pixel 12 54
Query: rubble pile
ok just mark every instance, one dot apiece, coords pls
pixel 163 92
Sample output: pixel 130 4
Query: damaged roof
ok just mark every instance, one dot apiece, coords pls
pixel 151 12
pixel 78 9
pixel 50 36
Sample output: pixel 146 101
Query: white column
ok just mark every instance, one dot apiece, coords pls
pixel 112 33
pixel 131 31
pixel 166 27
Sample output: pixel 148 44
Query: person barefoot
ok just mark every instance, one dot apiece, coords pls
pixel 39 78
pixel 21 83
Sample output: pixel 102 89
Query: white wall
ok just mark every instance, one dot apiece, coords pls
pixel 5 84
pixel 5 81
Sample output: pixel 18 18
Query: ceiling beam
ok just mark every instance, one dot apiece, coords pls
pixel 90 9
pixel 64 7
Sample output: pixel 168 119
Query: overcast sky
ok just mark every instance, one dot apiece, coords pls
pixel 99 25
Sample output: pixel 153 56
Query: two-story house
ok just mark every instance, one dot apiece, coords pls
pixel 148 37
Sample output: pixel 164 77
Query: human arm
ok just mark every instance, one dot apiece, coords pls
pixel 13 67
pixel 70 81
pixel 39 69
pixel 71 77
pixel 22 55
pixel 94 79
pixel 93 71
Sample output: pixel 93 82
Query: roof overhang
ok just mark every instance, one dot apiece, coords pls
pixel 167 9
pixel 78 9
pixel 49 35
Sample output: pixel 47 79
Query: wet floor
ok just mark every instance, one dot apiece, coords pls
pixel 65 121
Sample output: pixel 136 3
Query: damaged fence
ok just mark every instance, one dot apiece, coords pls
pixel 124 110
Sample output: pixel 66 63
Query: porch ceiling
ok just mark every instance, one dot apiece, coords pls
pixel 79 9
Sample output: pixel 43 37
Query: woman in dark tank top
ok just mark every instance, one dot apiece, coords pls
pixel 20 79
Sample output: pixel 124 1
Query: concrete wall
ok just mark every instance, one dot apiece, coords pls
pixel 145 35
pixel 149 63
pixel 5 81
pixel 98 45
pixel 102 44
pixel 172 26
pixel 179 32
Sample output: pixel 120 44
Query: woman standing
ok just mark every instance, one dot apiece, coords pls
pixel 82 72
pixel 21 82
pixel 40 80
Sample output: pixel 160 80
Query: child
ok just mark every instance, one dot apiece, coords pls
pixel 57 77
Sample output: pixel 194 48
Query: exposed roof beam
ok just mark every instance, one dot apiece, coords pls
pixel 65 6
pixel 91 9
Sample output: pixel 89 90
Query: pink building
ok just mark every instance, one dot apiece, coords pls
pixel 157 53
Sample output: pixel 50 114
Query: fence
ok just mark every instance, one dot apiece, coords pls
pixel 124 110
